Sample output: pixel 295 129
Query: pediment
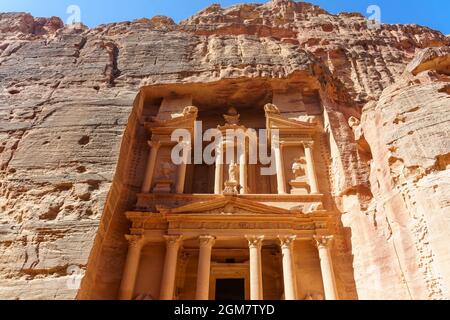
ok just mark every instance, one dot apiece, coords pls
pixel 275 121
pixel 183 120
pixel 229 205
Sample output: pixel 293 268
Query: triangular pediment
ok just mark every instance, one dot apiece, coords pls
pixel 229 205
pixel 275 121
pixel 184 120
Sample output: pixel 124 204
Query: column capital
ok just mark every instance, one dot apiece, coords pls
pixel 134 240
pixel 255 241
pixel 287 241
pixel 323 241
pixel 308 144
pixel 207 241
pixel 154 144
pixel 173 240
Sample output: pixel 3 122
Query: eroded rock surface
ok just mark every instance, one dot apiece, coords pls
pixel 66 95
pixel 408 132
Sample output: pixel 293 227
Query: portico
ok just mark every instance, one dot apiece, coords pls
pixel 242 234
pixel 228 240
pixel 224 195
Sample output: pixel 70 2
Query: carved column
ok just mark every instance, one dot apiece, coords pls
pixel 287 243
pixel 204 267
pixel 326 265
pixel 256 285
pixel 170 267
pixel 312 177
pixel 135 244
pixel 243 172
pixel 146 186
pixel 218 182
pixel 281 181
pixel 181 179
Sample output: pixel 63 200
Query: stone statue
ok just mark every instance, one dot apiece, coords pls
pixel 166 170
pixel 232 172
pixel 233 117
pixel 299 168
pixel 299 184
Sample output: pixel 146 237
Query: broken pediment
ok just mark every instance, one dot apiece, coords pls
pixel 229 205
pixel 186 119
pixel 277 121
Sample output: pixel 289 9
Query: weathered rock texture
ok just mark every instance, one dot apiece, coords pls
pixel 67 92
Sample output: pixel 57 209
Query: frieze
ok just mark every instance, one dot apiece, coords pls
pixel 239 225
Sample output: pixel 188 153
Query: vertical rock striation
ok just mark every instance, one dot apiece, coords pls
pixel 66 94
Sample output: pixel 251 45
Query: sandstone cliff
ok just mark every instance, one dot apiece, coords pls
pixel 66 95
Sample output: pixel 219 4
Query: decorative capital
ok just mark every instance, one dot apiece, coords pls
pixel 323 241
pixel 287 241
pixel 308 144
pixel 154 144
pixel 255 241
pixel 271 108
pixel 207 241
pixel 190 110
pixel 134 240
pixel 174 240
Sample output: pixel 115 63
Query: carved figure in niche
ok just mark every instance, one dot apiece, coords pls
pixel 167 170
pixel 271 108
pixel 231 184
pixel 165 178
pixel 299 184
pixel 299 169
pixel 232 172
pixel 232 117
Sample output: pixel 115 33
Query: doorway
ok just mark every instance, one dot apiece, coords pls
pixel 230 289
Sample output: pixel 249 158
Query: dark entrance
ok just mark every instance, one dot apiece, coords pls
pixel 230 289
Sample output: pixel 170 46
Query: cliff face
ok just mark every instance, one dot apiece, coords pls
pixel 408 218
pixel 67 92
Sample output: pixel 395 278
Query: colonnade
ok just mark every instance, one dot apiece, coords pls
pixel 206 244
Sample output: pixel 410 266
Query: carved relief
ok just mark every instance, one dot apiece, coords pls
pixel 323 241
pixel 255 241
pixel 232 117
pixel 166 170
pixel 232 172
pixel 190 110
pixel 287 241
pixel 299 169
pixel 165 178
pixel 299 185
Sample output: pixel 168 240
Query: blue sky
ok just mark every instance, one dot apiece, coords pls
pixel 432 13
